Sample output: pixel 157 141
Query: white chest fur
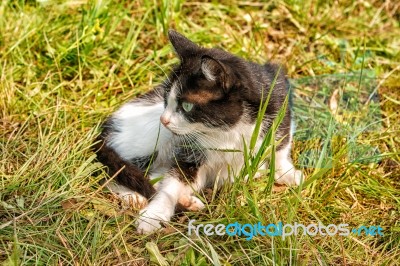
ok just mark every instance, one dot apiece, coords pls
pixel 138 131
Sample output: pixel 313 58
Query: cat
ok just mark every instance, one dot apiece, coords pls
pixel 184 129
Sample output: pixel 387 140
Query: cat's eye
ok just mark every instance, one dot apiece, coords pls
pixel 187 106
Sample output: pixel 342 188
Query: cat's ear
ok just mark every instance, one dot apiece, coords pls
pixel 214 70
pixel 182 45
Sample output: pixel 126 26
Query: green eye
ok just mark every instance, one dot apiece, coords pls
pixel 187 106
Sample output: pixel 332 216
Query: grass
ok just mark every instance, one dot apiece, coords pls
pixel 66 65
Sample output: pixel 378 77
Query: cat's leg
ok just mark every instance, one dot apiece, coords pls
pixel 189 202
pixel 286 173
pixel 127 195
pixel 172 189
pixel 157 174
pixel 129 177
pixel 162 206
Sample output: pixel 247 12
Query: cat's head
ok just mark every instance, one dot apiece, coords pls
pixel 210 90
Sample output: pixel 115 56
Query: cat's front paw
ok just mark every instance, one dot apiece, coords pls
pixel 291 177
pixel 191 203
pixel 148 221
pixel 135 200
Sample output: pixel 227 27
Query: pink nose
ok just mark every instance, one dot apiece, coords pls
pixel 164 120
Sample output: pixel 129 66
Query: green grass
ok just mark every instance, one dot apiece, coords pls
pixel 66 65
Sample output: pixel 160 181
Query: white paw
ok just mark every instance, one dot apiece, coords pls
pixel 149 222
pixel 134 199
pixel 291 177
pixel 127 195
pixel 191 203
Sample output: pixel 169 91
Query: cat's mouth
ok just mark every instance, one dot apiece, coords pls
pixel 180 131
pixel 177 131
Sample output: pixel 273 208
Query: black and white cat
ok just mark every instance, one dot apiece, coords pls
pixel 183 129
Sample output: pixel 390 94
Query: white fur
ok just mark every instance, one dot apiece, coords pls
pixel 162 206
pixel 137 130
pixel 171 103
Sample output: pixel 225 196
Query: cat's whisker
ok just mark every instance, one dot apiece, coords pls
pixel 162 69
pixel 195 145
pixel 208 143
pixel 189 145
pixel 199 145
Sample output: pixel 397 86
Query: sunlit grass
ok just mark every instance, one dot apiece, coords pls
pixel 66 65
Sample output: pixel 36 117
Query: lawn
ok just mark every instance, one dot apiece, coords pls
pixel 66 65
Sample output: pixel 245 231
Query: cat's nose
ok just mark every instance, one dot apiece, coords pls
pixel 164 120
